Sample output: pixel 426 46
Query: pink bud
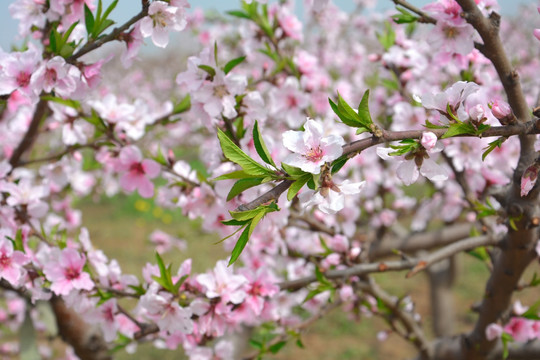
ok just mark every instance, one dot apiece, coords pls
pixel 500 109
pixel 528 179
pixel 536 33
pixel 429 140
pixel 477 113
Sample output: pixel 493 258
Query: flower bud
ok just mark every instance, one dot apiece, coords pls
pixel 503 112
pixel 428 140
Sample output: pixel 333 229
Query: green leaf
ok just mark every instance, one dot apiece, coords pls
pixel 492 145
pixel 388 37
pixel 480 253
pixel 339 163
pixel 535 281
pixel 237 156
pixel 348 115
pixel 260 146
pixel 233 63
pixel 506 338
pixel 242 241
pixel 459 129
pixel 430 125
pixel 363 110
pixel 239 174
pixel 293 171
pixel 297 185
pixel 66 102
pixel 88 20
pixel 210 70
pixel 110 9
pixel 274 349
pixel 405 17
pixel 532 312
pixel 242 185
pixel 28 340
pixel 234 222
pixel 246 215
pixel 183 106
pixel 239 14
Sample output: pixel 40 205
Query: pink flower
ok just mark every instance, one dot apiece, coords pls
pixel 161 18
pixel 536 33
pixel 520 328
pixel 452 97
pixel 311 149
pixel 11 262
pixel 330 198
pixel 290 24
pixel 66 273
pixel 137 172
pixel 222 282
pixel 56 75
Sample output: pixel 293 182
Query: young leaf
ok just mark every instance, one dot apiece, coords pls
pixel 88 20
pixel 274 349
pixel 239 14
pixel 492 145
pixel 237 156
pixel 459 129
pixel 183 106
pixel 232 64
pixel 246 215
pixel 242 185
pixel 297 185
pixel 66 102
pixel 339 163
pixel 241 243
pixel 293 171
pixel 260 146
pixel 363 110
pixel 239 174
pixel 532 312
pixel 348 115
pixel 210 70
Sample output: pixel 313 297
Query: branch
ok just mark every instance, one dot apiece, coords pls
pixel 112 36
pixel 415 265
pixel 30 135
pixel 424 17
pixel 355 147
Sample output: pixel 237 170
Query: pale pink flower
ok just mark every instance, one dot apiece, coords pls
pixel 290 24
pixel 55 74
pixel 11 261
pixel 137 171
pixel 162 308
pixel 536 33
pixel 134 40
pixel 493 331
pixel 110 109
pixel 429 140
pixel 160 20
pixel 29 13
pixel 222 282
pixel 310 149
pixel 452 97
pixel 16 71
pixel 66 272
pixel 28 195
pixel 164 242
pixel 288 101
pixel 330 199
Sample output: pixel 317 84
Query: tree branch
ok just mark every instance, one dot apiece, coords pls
pixel 415 265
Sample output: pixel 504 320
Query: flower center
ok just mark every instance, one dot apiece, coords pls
pixel 220 91
pixel 314 154
pixel 137 168
pixel 291 101
pixel 71 273
pixel 451 32
pixel 5 261
pixel 23 79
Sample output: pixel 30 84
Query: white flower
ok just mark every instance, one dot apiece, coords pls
pixel 161 18
pixel 330 199
pixel 311 149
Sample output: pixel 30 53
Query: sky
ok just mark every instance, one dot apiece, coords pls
pixel 127 8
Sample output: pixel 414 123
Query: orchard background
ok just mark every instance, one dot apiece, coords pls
pixel 270 181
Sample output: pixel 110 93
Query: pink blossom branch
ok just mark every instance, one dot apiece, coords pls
pixel 414 265
pixel 93 45
pixel 355 147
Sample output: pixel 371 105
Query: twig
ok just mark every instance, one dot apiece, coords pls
pixel 415 265
pixel 424 17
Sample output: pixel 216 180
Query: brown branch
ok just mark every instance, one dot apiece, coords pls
pixel 86 340
pixel 415 265
pixel 414 331
pixel 30 136
pixel 424 241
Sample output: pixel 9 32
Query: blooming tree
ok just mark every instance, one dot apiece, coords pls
pixel 268 105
